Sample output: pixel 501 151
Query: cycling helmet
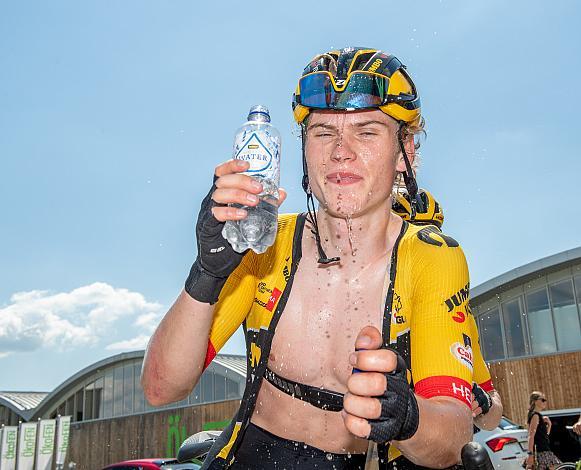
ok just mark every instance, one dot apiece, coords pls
pixel 428 210
pixel 357 78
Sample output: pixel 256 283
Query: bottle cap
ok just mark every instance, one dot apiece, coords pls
pixel 259 113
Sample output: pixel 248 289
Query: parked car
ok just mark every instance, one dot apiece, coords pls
pixel 506 444
pixel 153 464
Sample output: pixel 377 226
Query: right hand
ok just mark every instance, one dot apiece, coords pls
pixel 216 259
pixel 577 427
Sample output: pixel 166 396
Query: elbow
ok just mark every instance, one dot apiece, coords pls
pixel 159 390
pixel 158 395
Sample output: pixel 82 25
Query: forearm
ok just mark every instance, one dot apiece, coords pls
pixel 445 425
pixel 175 355
pixel 491 419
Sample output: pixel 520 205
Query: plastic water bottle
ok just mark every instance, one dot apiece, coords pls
pixel 257 142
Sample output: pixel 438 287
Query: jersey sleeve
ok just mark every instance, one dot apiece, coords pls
pixel 481 371
pixel 441 336
pixel 233 306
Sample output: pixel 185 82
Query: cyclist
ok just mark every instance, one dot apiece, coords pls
pixel 303 407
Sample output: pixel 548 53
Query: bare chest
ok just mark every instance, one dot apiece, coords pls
pixel 326 309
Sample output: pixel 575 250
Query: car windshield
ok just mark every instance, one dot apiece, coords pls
pixel 506 424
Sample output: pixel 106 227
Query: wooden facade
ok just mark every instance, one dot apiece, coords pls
pixel 558 376
pixel 95 444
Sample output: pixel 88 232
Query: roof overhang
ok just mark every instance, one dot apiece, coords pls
pixel 522 274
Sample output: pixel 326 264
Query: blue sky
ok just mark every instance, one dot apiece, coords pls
pixel 114 114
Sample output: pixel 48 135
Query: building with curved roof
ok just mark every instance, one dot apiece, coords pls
pixel 529 323
pixel 110 388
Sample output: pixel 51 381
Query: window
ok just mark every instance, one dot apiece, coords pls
pixel 578 289
pixel 79 406
pixel 108 395
pixel 128 389
pixel 514 329
pixel 89 398
pixel 118 391
pixel 98 399
pixel 207 386
pixel 540 323
pixel 219 387
pixel 565 315
pixel 491 335
pixel 195 396
pixel 232 389
pixel 139 403
pixel 70 406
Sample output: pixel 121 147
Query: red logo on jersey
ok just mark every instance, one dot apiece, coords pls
pixel 463 353
pixel 459 317
pixel 272 300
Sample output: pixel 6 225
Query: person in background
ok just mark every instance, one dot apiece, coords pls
pixel 539 430
pixel 577 427
pixel 486 402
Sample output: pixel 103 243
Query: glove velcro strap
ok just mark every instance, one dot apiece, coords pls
pixel 410 425
pixel 399 417
pixel 202 286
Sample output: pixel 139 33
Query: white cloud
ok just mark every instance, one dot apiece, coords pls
pixel 83 317
pixel 138 342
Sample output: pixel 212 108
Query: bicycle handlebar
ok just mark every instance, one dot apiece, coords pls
pixel 475 457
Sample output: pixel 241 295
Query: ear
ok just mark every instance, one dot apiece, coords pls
pixel 410 149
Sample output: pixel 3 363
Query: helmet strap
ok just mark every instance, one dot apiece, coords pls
pixel 408 176
pixel 311 205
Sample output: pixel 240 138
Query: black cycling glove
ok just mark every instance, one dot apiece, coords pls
pixel 216 258
pixel 399 408
pixel 482 398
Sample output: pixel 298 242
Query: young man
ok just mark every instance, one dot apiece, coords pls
pixel 331 341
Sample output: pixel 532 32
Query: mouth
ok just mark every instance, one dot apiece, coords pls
pixel 343 178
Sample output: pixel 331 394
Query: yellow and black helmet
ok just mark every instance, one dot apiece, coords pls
pixel 357 78
pixel 428 210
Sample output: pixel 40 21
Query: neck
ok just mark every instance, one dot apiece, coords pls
pixel 365 237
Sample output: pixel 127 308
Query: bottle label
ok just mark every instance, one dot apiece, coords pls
pixel 260 149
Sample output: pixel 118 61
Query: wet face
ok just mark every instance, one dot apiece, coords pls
pixel 352 159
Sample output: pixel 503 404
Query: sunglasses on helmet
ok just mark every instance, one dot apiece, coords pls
pixel 360 90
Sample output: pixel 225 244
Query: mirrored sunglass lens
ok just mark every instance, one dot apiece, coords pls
pixel 317 91
pixel 363 91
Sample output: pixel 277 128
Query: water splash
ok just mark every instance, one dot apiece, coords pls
pixel 349 221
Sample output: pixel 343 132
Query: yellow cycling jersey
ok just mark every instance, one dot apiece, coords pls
pixel 427 318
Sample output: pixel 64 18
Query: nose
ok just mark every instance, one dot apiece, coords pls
pixel 343 150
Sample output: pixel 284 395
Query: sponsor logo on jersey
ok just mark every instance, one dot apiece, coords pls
pixel 262 288
pixel 397 306
pixel 274 296
pixel 459 317
pixel 432 236
pixel 273 299
pixel 462 390
pixel 286 269
pixel 463 352
pixel 458 298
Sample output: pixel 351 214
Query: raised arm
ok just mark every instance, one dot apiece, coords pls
pixel 181 346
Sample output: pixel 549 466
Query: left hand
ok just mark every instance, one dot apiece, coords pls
pixel 547 420
pixel 481 402
pixel 379 404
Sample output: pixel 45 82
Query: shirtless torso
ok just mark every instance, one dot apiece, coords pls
pixel 307 348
